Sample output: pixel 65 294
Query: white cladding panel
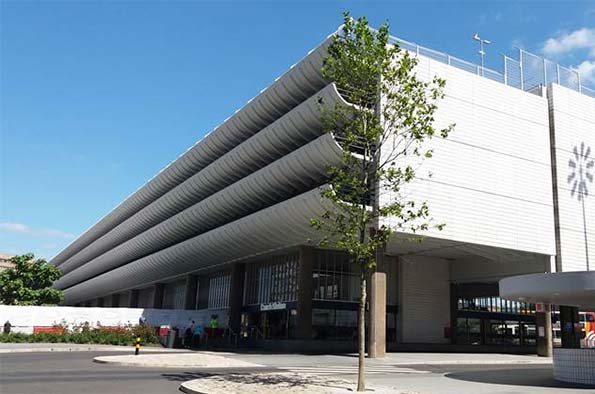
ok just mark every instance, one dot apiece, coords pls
pixel 491 178
pixel 573 127
pixel 425 299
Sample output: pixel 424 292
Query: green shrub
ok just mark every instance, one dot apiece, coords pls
pixel 123 336
pixel 147 333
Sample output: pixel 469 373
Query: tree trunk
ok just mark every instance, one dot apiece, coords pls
pixel 361 336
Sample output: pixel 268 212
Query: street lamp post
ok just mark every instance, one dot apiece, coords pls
pixel 482 52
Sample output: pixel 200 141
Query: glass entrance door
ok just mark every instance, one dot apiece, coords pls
pixel 274 324
pixel 469 331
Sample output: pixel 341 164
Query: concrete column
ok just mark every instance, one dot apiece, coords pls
pixel 377 299
pixel 100 302
pixel 453 313
pixel 570 328
pixel 543 322
pixel 133 298
pixel 158 296
pixel 190 292
pixel 305 292
pixel 115 300
pixel 203 292
pixel 400 300
pixel 236 296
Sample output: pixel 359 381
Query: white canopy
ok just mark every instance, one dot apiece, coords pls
pixel 560 288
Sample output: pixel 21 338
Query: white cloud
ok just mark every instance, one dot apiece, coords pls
pixel 21 228
pixel 576 44
pixel 587 71
pixel 581 39
pixel 517 43
pixel 14 227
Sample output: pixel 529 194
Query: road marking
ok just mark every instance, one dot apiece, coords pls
pixel 325 370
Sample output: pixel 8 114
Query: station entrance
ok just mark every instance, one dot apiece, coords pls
pixel 269 321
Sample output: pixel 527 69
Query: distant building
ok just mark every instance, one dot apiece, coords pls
pixel 225 228
pixel 5 262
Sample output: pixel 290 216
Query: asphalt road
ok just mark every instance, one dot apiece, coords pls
pixel 75 372
pixel 65 373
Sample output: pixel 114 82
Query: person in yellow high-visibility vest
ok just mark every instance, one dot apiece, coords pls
pixel 214 322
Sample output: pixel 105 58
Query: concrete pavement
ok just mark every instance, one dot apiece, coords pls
pixel 177 360
pixel 74 347
pixel 416 373
pixel 205 359
pixel 394 359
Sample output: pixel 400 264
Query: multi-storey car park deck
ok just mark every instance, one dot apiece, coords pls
pixel 225 228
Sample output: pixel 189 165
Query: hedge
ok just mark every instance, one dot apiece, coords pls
pixel 103 335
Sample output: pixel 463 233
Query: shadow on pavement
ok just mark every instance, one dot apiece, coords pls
pixel 184 376
pixel 287 380
pixel 187 375
pixel 534 377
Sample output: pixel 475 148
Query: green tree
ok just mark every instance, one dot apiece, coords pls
pixel 391 118
pixel 29 282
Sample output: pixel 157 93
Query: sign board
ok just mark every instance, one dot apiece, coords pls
pixel 273 306
pixel 541 332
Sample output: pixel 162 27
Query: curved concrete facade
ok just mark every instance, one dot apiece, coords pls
pixel 300 170
pixel 286 223
pixel 252 183
pixel 291 131
pixel 300 82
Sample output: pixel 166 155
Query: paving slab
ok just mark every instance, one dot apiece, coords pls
pixel 178 360
pixel 393 359
pixel 407 358
pixel 273 383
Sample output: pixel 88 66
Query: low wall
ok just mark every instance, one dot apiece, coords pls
pixel 25 318
pixel 575 366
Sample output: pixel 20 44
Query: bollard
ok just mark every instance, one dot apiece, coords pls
pixel 137 346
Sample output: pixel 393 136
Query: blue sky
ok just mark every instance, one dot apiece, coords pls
pixel 96 97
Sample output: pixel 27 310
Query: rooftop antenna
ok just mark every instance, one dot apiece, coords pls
pixel 482 53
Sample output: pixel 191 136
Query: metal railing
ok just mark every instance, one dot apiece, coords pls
pixel 587 91
pixel 527 72
pixel 231 337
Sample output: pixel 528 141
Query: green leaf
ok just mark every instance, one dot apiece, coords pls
pixel 30 282
pixel 390 121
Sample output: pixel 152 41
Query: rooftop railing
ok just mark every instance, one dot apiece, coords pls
pixel 527 72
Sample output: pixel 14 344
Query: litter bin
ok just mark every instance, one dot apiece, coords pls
pixel 171 338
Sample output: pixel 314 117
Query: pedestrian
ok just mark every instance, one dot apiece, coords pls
pixel 214 322
pixel 7 327
pixel 197 335
pixel 188 333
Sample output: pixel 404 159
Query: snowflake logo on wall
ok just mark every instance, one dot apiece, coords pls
pixel 581 176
